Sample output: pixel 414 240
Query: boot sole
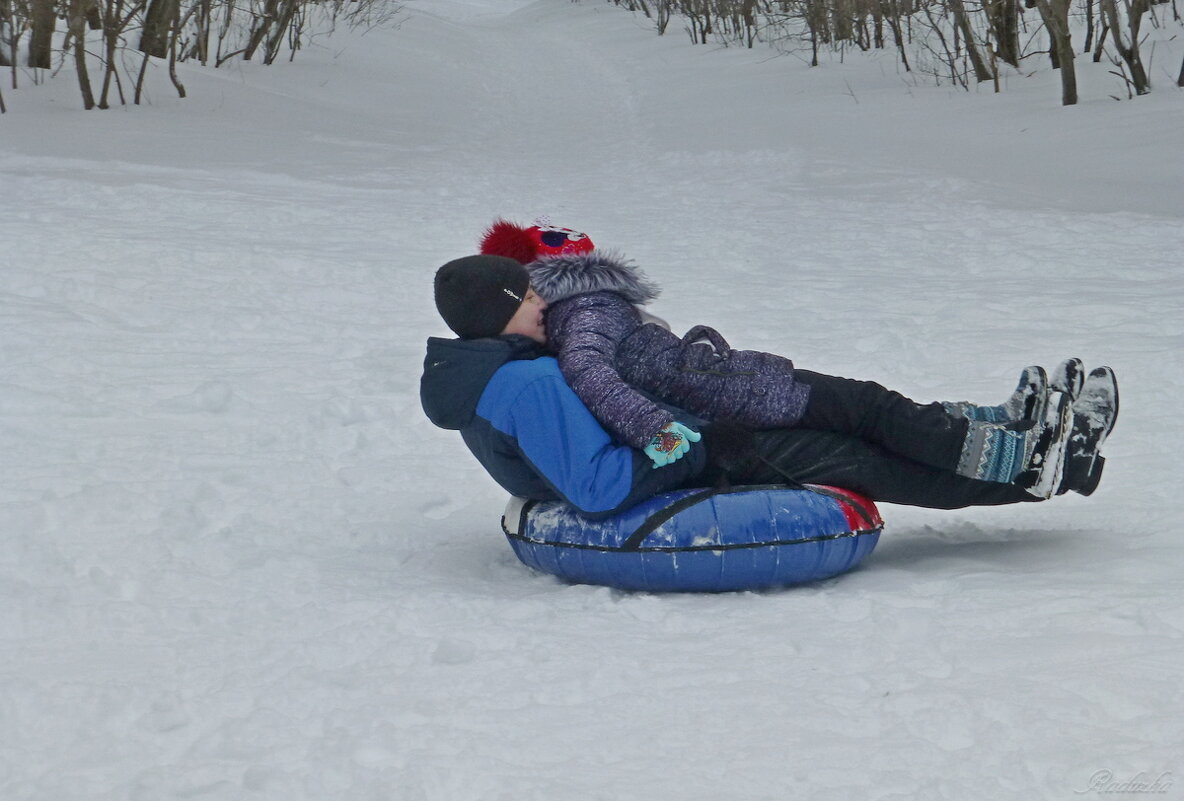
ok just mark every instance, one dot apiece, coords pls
pixel 1083 472
pixel 1042 480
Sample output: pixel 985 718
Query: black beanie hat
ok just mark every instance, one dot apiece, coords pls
pixel 477 295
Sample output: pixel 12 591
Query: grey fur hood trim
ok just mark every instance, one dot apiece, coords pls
pixel 560 277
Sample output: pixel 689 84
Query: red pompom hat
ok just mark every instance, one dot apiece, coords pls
pixel 540 241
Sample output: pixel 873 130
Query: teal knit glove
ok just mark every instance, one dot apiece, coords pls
pixel 669 444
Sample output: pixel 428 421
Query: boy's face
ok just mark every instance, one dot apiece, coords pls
pixel 528 320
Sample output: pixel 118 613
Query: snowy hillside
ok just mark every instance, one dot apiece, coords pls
pixel 236 562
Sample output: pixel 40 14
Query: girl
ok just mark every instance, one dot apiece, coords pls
pixel 617 359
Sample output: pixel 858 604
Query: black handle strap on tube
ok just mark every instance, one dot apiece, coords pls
pixel 654 521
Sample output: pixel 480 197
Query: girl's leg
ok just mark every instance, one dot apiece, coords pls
pixel 820 457
pixel 864 409
pixel 1029 452
pixel 1025 403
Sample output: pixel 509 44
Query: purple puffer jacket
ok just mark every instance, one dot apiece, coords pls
pixel 606 352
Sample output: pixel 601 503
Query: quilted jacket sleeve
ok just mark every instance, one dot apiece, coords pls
pixel 587 330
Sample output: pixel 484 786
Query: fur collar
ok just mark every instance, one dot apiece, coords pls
pixel 560 277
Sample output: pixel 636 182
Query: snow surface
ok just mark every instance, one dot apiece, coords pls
pixel 238 563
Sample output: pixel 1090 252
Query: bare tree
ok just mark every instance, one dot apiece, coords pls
pixel 42 20
pixel 286 25
pixel 76 19
pixel 963 36
pixel 699 17
pixel 8 35
pixel 815 16
pixel 117 16
pixel 1003 17
pixel 662 13
pixel 260 28
pixel 982 71
pixel 158 23
pixel 1129 49
pixel 1089 27
pixel 948 56
pixel 893 16
pixel 1055 14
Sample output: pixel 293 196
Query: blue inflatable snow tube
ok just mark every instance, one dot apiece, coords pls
pixel 740 538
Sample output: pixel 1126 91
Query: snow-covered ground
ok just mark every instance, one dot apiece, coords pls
pixel 236 562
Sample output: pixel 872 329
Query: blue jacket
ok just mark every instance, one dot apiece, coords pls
pixel 532 434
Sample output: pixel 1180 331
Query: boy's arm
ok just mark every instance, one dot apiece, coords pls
pixel 571 451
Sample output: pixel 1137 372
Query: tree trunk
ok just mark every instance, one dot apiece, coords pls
pixel 262 24
pixel 139 93
pixel 841 22
pixel 158 20
pixel 748 11
pixel 815 13
pixel 1101 45
pixel 982 72
pixel 1004 17
pixel 272 48
pixel 1055 14
pixel 205 22
pixel 76 24
pixel 228 13
pixel 113 26
pixel 42 20
pixel 180 87
pixel 1089 27
pixel 1129 52
pixel 892 16
pixel 7 37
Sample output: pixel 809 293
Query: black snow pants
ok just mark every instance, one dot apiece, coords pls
pixel 860 436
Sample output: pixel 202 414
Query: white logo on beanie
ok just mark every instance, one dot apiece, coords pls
pixel 511 294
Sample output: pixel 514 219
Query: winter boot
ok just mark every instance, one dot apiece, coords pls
pixel 1094 414
pixel 1025 452
pixel 1045 471
pixel 1067 377
pixel 1026 403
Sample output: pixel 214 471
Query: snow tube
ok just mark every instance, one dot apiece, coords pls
pixel 711 540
